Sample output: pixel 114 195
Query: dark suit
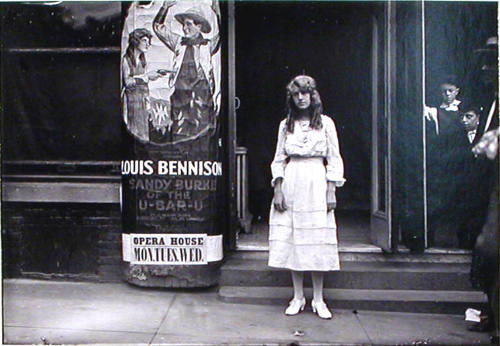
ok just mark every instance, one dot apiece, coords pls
pixel 444 160
pixel 485 102
pixel 484 269
pixel 474 184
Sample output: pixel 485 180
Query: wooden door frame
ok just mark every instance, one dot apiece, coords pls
pixel 231 215
pixel 404 214
pixel 383 28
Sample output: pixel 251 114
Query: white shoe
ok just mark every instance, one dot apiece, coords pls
pixel 295 306
pixel 321 309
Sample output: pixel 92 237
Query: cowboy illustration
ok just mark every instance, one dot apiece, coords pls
pixel 194 100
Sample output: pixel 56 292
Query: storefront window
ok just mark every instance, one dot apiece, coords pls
pixel 60 76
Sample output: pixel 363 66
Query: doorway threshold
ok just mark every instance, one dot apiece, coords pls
pixel 354 248
pixel 367 248
pixel 362 252
pixel 438 251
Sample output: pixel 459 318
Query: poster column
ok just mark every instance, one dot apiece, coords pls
pixel 172 173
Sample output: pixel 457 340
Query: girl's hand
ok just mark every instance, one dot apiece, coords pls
pixel 331 200
pixel 279 198
pixel 279 201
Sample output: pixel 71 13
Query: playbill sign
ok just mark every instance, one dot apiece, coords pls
pixel 171 249
pixel 168 248
pixel 170 93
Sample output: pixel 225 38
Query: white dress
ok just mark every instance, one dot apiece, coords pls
pixel 304 237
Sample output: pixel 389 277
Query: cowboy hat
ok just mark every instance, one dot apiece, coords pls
pixel 197 17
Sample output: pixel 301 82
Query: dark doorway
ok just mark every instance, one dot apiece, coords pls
pixel 455 33
pixel 330 41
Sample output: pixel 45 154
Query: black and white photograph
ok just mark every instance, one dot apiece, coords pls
pixel 207 172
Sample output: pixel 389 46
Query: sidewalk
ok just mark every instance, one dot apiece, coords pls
pixel 78 313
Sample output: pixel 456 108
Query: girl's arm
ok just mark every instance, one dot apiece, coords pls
pixel 334 166
pixel 278 169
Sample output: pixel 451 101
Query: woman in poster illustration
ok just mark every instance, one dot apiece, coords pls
pixel 193 101
pixel 306 169
pixel 135 80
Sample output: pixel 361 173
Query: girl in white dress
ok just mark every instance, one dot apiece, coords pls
pixel 306 169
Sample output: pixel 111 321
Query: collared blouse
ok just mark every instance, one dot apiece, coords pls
pixel 308 142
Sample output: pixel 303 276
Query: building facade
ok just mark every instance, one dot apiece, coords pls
pixel 377 65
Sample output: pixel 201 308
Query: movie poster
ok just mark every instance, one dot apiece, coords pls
pixel 171 70
pixel 171 97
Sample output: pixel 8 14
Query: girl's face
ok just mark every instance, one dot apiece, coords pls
pixel 302 99
pixel 144 44
pixel 449 92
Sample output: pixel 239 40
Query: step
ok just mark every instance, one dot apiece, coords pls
pixel 238 271
pixel 416 301
pixel 365 253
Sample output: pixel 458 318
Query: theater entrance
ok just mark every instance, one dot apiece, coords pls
pixel 340 45
pixel 376 65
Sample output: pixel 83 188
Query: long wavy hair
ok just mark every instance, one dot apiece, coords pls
pixel 133 42
pixel 307 84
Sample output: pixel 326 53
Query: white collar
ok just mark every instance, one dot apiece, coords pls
pixel 471 135
pixel 452 106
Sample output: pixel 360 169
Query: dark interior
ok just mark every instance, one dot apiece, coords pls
pixel 330 41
